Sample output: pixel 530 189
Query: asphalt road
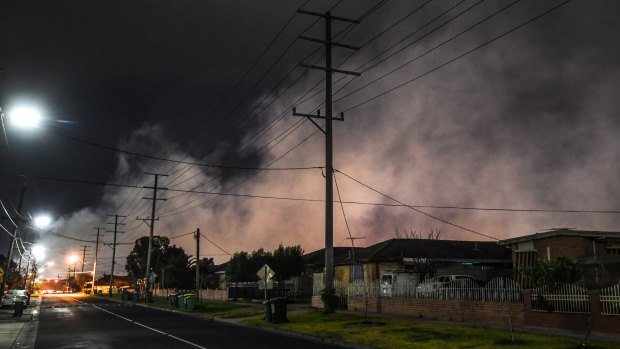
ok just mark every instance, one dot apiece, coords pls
pixel 96 323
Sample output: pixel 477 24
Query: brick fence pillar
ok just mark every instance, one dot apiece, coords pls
pixel 527 306
pixel 595 307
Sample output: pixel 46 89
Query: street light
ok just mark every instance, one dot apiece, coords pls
pixel 25 117
pixel 38 251
pixel 42 221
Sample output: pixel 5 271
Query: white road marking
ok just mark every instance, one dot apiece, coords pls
pixel 145 326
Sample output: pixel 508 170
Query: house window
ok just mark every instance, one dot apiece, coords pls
pixel 522 264
pixel 356 272
pixel 614 251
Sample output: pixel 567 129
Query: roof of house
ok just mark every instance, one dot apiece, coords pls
pixel 562 232
pixel 438 250
pixel 395 250
pixel 342 255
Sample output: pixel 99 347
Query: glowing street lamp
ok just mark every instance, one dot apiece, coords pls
pixel 38 251
pixel 72 260
pixel 42 221
pixel 25 117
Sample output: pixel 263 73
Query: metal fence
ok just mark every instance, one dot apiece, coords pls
pixel 561 298
pixel 250 290
pixel 503 290
pixel 610 300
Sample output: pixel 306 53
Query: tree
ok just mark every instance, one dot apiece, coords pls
pixel 288 262
pixel 422 267
pixel 238 269
pixel 551 273
pixel 163 256
pixel 433 234
pixel 208 279
pixel 13 277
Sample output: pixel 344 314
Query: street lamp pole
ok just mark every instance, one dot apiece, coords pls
pixel 10 254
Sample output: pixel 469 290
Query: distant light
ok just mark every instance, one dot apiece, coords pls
pixel 72 259
pixel 25 117
pixel 39 252
pixel 42 221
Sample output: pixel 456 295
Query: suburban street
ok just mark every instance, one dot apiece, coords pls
pixel 71 321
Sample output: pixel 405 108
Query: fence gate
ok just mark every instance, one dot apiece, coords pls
pixel 561 298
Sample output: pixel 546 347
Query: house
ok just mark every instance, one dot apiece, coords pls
pixel 481 259
pixel 597 251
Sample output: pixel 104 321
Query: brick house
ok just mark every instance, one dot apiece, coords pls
pixel 599 253
pixel 481 259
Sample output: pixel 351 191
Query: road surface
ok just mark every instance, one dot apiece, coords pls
pixel 73 321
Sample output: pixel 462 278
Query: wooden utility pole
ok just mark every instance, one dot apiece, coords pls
pixel 329 167
pixel 95 262
pixel 82 278
pixel 115 231
pixel 197 237
pixel 152 226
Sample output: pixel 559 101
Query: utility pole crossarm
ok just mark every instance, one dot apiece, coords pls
pixel 328 15
pixel 307 38
pixel 331 70
pixel 317 116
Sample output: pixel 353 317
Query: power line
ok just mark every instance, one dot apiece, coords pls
pixel 152 157
pixel 228 94
pixel 178 236
pixel 216 245
pixel 250 115
pixel 422 37
pixel 400 204
pixel 417 210
pixel 455 58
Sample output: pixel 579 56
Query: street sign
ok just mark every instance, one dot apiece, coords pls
pixel 266 273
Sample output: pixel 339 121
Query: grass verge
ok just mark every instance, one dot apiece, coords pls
pixel 400 334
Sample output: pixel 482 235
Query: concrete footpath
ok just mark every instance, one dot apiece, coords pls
pixel 11 327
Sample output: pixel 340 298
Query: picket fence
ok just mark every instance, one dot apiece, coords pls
pixel 562 298
pixel 610 300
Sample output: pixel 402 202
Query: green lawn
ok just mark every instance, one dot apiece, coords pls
pixel 401 334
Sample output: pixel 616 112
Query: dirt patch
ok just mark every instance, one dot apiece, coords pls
pixel 365 324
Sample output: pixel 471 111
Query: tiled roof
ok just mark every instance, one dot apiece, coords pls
pixel 395 250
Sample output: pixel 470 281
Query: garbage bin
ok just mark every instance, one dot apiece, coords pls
pixel 268 314
pixel 124 294
pixel 181 302
pixel 148 297
pixel 100 292
pixel 134 296
pixel 279 310
pixel 190 301
pixel 173 301
pixel 18 308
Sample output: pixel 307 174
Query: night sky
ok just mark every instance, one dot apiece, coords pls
pixel 518 111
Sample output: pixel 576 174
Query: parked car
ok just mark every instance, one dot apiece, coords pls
pixel 396 283
pixel 435 283
pixel 13 295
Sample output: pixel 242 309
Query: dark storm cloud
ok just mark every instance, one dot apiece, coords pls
pixel 529 121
